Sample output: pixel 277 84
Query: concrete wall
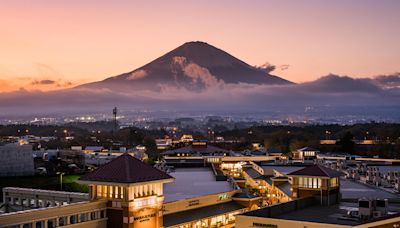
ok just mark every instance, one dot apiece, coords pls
pixel 393 221
pixel 28 198
pixel 90 224
pixel 243 221
pixel 87 214
pixel 257 168
pixel 16 160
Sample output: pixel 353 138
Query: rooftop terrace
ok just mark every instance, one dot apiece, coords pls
pixel 309 210
pixel 193 182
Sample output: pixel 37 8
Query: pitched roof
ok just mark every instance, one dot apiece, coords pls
pixel 253 173
pixel 285 188
pixel 125 169
pixel 307 149
pixel 317 171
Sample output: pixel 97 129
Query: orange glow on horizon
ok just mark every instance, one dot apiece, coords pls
pixel 49 45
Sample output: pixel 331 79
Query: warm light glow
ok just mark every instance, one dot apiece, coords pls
pixel 312 37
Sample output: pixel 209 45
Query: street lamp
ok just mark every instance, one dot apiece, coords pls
pixel 328 134
pixel 65 133
pixel 61 175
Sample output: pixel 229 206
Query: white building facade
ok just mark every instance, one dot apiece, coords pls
pixel 16 160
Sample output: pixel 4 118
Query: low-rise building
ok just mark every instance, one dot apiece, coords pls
pixel 129 193
pixel 197 149
pixel 196 154
pixel 317 203
pixel 16 160
pixel 163 144
pixel 186 138
pixel 305 154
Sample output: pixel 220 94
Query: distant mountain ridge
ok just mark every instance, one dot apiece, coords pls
pixel 199 77
pixel 194 66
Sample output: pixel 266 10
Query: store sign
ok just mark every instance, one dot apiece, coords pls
pixel 193 203
pixel 144 218
pixel 256 224
pixel 222 197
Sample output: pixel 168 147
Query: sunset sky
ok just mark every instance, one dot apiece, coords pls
pixel 48 45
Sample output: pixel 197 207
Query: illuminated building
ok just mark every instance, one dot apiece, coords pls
pixel 163 144
pixel 316 202
pixel 197 148
pixel 305 154
pixel 197 153
pixel 129 193
pixel 316 180
pixel 268 182
pixel 186 138
pixel 134 191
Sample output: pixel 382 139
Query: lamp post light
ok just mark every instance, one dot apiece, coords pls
pixel 65 133
pixel 327 135
pixel 61 180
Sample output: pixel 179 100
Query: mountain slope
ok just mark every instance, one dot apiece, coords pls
pixel 194 66
pixel 341 84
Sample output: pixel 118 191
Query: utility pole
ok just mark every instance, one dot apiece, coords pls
pixel 61 179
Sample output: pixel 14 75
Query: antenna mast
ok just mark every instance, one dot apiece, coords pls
pixel 115 111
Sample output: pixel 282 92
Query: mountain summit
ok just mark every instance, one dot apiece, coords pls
pixel 194 66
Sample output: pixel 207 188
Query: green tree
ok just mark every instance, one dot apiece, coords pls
pixel 346 143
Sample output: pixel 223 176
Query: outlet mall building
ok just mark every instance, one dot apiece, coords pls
pixel 129 193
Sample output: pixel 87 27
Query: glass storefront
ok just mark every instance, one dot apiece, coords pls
pixel 216 221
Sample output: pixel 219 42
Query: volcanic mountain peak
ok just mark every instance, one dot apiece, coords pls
pixel 194 66
pixel 204 55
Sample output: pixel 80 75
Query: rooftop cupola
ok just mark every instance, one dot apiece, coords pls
pixel 133 188
pixel 316 180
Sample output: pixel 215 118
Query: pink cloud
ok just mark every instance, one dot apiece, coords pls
pixel 137 75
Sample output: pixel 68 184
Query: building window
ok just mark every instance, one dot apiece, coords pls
pixel 111 191
pixel 116 204
pixel 83 217
pixel 309 154
pixel 73 219
pixel 62 221
pixel 99 191
pixel 121 193
pixel 116 192
pixel 39 224
pixel 310 182
pixel 218 221
pixel 104 191
pixel 51 223
pixel 92 215
pixel 334 182
pixel 16 201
